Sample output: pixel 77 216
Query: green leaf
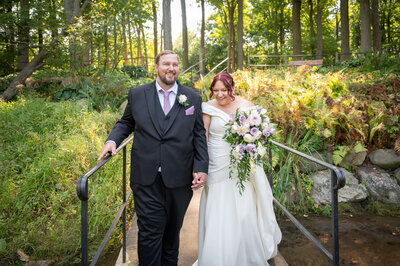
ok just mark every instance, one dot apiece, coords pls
pixel 339 154
pixel 327 133
pixel 2 245
pixel 359 147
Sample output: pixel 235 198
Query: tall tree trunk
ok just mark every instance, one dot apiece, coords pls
pixel 17 83
pixel 106 47
pixel 344 30
pixel 389 23
pixel 126 61
pixel 91 46
pixel 40 39
pixel 312 31
pixel 319 30
pixel 130 44
pixel 139 47
pixel 231 35
pixel 167 24
pixel 202 42
pixel 144 60
pixel 296 28
pixel 240 35
pixel 10 39
pixel 185 45
pixel 116 59
pixel 282 29
pixel 365 26
pixel 161 37
pixel 155 27
pixel 376 31
pixel 23 35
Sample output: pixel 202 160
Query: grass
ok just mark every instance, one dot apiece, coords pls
pixel 45 148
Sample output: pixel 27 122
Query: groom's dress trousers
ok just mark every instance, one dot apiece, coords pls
pixel 174 143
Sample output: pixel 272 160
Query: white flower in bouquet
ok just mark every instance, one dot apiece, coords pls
pixel 248 138
pixel 235 128
pixel 236 152
pixel 254 118
pixel 261 150
pixel 252 167
pixel 242 130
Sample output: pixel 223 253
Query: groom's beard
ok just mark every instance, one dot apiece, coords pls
pixel 168 81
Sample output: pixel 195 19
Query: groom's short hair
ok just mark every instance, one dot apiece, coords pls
pixel 162 53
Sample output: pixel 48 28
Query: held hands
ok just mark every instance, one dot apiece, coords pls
pixel 108 147
pixel 199 179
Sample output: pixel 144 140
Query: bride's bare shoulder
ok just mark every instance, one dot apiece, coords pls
pixel 244 103
pixel 211 102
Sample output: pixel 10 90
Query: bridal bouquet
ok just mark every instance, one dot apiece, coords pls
pixel 248 133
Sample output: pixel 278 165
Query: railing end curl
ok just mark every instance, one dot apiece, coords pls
pixel 340 178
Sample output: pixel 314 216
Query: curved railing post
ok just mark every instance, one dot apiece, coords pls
pixel 338 181
pixel 124 202
pixel 82 192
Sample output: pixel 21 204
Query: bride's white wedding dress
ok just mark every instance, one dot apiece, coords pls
pixel 234 229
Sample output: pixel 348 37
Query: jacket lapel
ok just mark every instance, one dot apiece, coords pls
pixel 150 100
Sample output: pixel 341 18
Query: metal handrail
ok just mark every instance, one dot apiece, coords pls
pixel 338 181
pixel 82 192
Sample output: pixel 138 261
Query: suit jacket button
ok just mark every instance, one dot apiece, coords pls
pixel 162 142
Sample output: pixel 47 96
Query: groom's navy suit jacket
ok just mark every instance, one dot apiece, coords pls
pixel 176 142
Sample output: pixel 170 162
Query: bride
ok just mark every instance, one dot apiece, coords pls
pixel 234 229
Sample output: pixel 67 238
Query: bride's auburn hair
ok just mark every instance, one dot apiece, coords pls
pixel 229 84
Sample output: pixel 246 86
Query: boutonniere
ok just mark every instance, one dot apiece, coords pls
pixel 182 100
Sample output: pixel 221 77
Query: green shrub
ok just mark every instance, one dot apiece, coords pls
pixel 134 72
pixel 45 148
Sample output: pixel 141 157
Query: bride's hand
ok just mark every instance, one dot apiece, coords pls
pixel 199 179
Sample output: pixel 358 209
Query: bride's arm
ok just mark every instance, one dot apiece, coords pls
pixel 206 121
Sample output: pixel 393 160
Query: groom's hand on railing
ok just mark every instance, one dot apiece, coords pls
pixel 110 146
pixel 199 180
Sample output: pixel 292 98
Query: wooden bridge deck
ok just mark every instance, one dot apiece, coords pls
pixel 188 245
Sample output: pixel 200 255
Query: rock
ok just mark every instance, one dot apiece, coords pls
pixel 22 256
pixel 379 184
pixel 306 166
pixel 354 159
pixel 321 189
pixel 69 81
pixel 122 107
pixel 385 159
pixel 397 175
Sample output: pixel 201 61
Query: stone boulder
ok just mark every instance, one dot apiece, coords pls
pixel 122 107
pixel 353 158
pixel 321 189
pixel 379 184
pixel 306 166
pixel 385 159
pixel 397 175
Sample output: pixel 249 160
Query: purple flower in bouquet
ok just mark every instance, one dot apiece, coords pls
pixel 242 118
pixel 251 147
pixel 254 131
pixel 268 131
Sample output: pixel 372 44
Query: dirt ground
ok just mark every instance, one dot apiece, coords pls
pixel 363 240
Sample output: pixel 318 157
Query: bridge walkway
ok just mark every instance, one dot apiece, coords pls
pixel 188 245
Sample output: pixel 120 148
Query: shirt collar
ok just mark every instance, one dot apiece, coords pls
pixel 174 88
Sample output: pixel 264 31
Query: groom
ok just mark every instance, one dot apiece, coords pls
pixel 169 158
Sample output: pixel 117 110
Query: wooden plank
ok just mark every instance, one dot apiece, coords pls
pixel 316 62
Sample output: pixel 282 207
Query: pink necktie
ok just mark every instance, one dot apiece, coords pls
pixel 167 105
